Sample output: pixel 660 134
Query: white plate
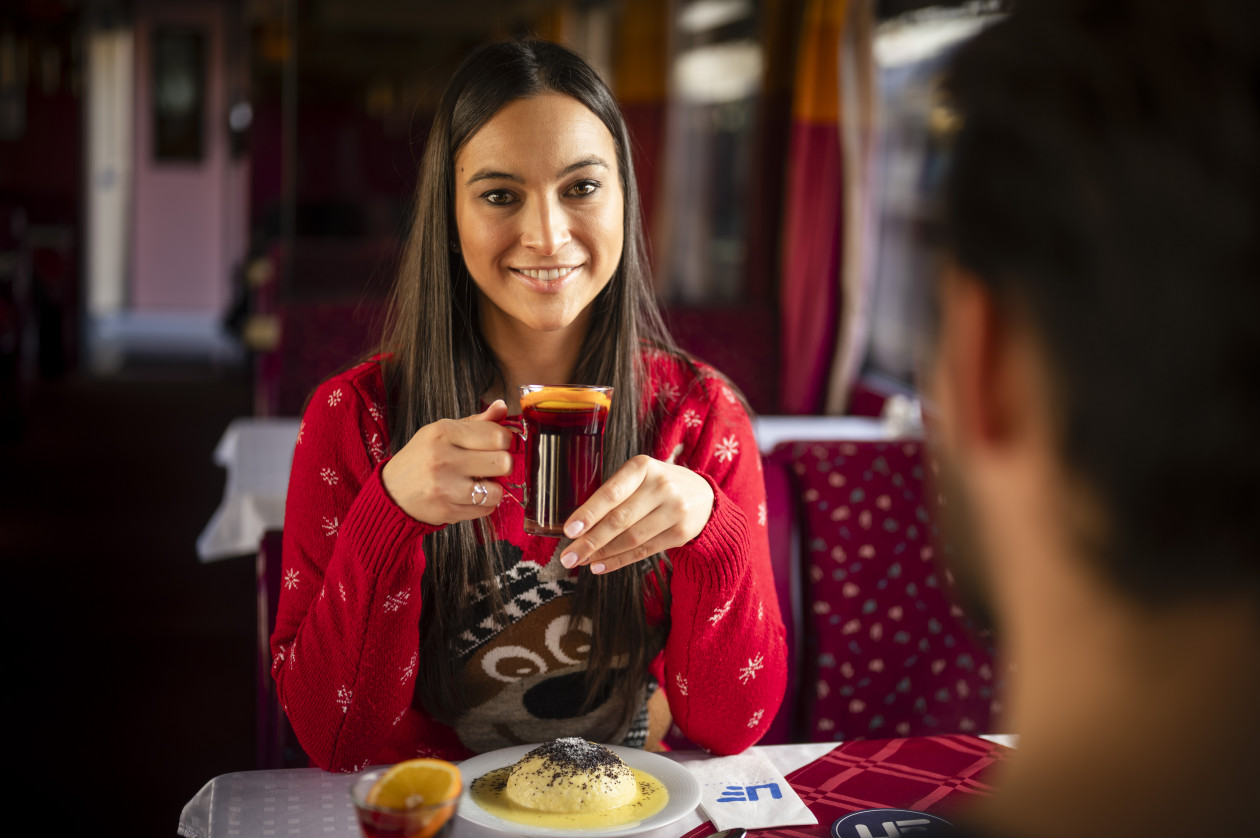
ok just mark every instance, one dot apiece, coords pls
pixel 684 792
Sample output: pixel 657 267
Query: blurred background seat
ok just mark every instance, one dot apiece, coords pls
pixel 886 651
pixel 277 745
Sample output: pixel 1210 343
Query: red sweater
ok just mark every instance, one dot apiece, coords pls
pixel 347 629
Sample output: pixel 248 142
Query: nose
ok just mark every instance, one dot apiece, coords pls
pixel 546 227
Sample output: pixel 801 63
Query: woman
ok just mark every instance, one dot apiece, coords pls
pixel 416 617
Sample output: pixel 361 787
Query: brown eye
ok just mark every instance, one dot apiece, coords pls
pixel 583 188
pixel 569 642
pixel 498 197
pixel 512 663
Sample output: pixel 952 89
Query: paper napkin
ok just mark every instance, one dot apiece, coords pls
pixel 747 791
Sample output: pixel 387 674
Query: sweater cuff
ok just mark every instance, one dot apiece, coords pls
pixel 381 531
pixel 718 557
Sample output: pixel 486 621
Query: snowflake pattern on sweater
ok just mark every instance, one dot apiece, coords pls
pixel 350 693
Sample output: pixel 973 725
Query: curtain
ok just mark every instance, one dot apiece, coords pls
pixel 823 286
pixel 857 144
pixel 640 64
pixel 813 215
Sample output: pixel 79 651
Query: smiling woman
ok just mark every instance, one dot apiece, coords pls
pixel 539 209
pixel 417 616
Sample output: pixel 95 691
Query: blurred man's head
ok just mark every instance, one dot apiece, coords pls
pixel 1097 385
pixel 1105 192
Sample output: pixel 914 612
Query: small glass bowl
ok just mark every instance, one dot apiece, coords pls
pixel 423 821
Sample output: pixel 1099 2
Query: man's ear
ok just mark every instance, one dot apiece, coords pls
pixel 984 368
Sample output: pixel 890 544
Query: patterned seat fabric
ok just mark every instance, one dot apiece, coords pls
pixel 886 651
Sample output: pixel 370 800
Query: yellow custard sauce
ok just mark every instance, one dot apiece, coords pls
pixel 487 792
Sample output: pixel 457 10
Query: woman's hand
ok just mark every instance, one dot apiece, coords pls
pixel 646 507
pixel 434 478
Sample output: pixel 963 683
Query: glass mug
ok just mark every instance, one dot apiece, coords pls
pixel 562 427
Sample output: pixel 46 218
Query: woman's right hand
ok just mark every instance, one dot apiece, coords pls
pixel 433 477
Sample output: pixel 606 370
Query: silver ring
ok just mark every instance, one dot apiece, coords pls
pixel 479 493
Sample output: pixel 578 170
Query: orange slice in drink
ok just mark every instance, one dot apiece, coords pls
pixel 566 398
pixel 553 404
pixel 419 783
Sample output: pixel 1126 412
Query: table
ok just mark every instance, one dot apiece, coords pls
pixel 257 454
pixel 313 802
pixel 309 801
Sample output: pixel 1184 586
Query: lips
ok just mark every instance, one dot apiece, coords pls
pixel 548 280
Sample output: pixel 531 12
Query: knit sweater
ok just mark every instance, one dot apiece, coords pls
pixel 347 634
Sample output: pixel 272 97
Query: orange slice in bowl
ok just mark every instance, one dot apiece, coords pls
pixel 416 782
pixel 419 783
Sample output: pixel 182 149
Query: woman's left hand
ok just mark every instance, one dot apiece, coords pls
pixel 646 507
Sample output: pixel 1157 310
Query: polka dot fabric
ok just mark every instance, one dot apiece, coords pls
pixel 886 650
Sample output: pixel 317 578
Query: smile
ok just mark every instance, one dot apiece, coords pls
pixel 546 274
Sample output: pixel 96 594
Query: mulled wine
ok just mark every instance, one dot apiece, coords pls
pixel 564 454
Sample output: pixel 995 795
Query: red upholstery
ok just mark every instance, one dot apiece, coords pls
pixel 780 505
pixel 886 652
pixel 741 341
pixel 316 340
pixel 330 308
pixel 866 400
pixel 276 744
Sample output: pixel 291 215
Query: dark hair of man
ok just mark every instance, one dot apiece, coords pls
pixel 1105 185
pixel 441 365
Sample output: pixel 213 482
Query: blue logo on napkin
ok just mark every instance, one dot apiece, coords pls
pixel 748 794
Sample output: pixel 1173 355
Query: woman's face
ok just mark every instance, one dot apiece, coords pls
pixel 540 216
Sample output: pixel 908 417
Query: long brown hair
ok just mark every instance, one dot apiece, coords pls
pixel 439 365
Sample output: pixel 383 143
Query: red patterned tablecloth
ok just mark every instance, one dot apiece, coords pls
pixel 935 774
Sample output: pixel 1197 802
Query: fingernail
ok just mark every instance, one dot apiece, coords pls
pixel 598 567
pixel 574 528
pixel 569 559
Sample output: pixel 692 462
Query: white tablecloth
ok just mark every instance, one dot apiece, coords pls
pixel 310 802
pixel 257 454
